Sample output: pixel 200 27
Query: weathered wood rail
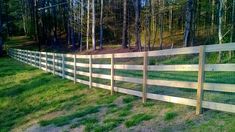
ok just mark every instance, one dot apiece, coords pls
pixel 49 62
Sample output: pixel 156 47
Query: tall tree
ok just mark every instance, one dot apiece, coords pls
pixel 233 22
pixel 88 24
pixel 220 26
pixel 137 5
pixel 188 22
pixel 93 25
pixel 170 23
pixel 160 19
pixel 54 23
pixel 1 29
pixel 81 23
pixel 101 23
pixel 124 28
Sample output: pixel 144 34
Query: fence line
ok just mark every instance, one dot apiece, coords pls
pixel 47 61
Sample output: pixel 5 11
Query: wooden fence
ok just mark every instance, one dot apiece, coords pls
pixel 47 61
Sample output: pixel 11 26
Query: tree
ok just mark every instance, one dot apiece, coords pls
pixel 93 25
pixel 1 29
pixel 188 22
pixel 81 24
pixel 124 28
pixel 101 23
pixel 137 5
pixel 160 21
pixel 220 26
pixel 233 22
pixel 88 24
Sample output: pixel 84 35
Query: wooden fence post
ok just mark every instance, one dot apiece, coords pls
pixel 201 78
pixel 145 75
pixel 40 61
pixel 53 63
pixel 112 74
pixel 75 67
pixel 46 61
pixel 31 57
pixel 90 71
pixel 35 59
pixel 63 66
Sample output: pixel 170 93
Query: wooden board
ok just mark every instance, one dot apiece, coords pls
pixel 220 47
pixel 128 91
pixel 219 106
pixel 129 55
pixel 82 56
pixel 101 66
pixel 128 79
pixel 82 81
pixel 171 99
pixel 82 65
pixel 83 73
pixel 102 76
pixel 100 86
pixel 176 51
pixel 128 67
pixel 102 56
pixel 173 68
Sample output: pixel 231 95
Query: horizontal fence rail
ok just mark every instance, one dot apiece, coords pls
pixel 56 64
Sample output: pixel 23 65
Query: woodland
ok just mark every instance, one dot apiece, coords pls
pixel 80 25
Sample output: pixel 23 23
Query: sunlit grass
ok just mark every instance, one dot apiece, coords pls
pixel 29 96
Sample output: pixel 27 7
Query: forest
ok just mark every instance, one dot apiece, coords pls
pixel 117 65
pixel 80 25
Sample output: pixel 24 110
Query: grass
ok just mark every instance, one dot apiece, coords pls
pixel 169 116
pixel 136 119
pixel 29 96
pixel 63 120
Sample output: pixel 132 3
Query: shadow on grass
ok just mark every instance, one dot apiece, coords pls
pixel 37 95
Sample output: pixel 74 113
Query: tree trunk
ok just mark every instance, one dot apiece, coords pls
pixel 170 25
pixel 88 25
pixel 213 18
pixel 1 30
pixel 233 23
pixel 101 23
pixel 160 26
pixel 124 29
pixel 72 32
pixel 55 25
pixel 188 23
pixel 220 26
pixel 149 24
pixel 137 5
pixel 93 25
pixel 81 24
pixel 233 27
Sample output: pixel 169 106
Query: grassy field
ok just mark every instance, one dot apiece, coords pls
pixel 32 100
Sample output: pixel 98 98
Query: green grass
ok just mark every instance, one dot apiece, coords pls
pixel 170 116
pixel 136 119
pixel 29 96
pixel 63 120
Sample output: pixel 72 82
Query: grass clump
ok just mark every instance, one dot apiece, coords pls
pixel 136 119
pixel 129 99
pixel 148 104
pixel 125 111
pixel 88 121
pixel 107 100
pixel 63 120
pixel 169 116
pixel 108 125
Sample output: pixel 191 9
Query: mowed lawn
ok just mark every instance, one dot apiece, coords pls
pixel 32 100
